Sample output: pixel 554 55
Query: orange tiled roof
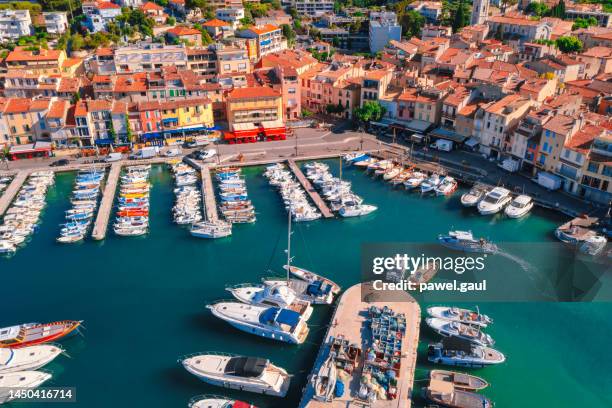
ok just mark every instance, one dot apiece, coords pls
pixel 182 30
pixel 57 109
pixel 107 5
pixel 149 5
pixel 268 28
pixel 253 92
pixel 215 23
pixel 18 54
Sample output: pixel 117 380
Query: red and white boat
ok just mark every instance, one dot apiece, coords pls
pixel 31 334
pixel 447 186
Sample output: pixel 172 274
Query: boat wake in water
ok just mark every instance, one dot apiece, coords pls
pixel 526 266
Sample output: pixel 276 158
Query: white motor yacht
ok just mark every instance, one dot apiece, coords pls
pixel 270 322
pixel 278 295
pixel 211 229
pixel 448 328
pixel 11 382
pixel 431 183
pixel 27 358
pixel 415 180
pixel 252 374
pixel 494 201
pixel 456 352
pixel 357 210
pixel 519 207
pixel 213 401
pixel 460 315
pixel 473 197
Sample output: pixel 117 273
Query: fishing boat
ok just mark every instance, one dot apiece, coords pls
pixel 465 241
pixel 473 197
pixel 355 157
pixel 460 315
pixel 446 394
pixel 392 173
pixel 211 229
pixel 251 374
pixel 447 186
pixel 27 358
pixel 278 295
pixel 365 163
pixel 324 382
pixel 462 331
pixel 457 352
pixel 519 207
pixel 213 401
pixel 274 323
pixel 312 277
pixel 461 381
pixel 430 183
pixel 494 201
pixel 593 245
pixel 10 383
pixel 31 334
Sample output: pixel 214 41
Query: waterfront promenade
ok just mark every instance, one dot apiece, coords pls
pixel 314 195
pixel 11 191
pixel 349 320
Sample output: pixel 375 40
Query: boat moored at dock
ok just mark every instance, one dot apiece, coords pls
pixel 312 277
pixel 494 201
pixel 459 315
pixel 451 328
pixel 10 383
pixel 473 197
pixel 457 352
pixel 461 381
pixel 31 334
pixel 211 229
pixel 447 395
pixel 275 294
pixel 274 323
pixel 251 374
pixel 519 207
pixel 27 358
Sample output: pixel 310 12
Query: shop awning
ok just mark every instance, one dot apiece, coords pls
pixel 447 134
pixel 104 142
pixel 152 135
pixel 31 148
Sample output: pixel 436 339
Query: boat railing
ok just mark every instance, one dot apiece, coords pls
pixel 202 353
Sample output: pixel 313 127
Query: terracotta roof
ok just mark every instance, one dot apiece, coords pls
pixel 513 20
pixel 582 140
pixel 268 28
pixel 253 92
pixel 598 52
pixel 106 5
pixel 182 30
pixel 69 62
pixel 105 52
pixel 18 54
pixel 57 109
pixel 560 124
pixel 215 23
pixel 499 106
pixel 22 105
pixel 149 5
pixel 69 85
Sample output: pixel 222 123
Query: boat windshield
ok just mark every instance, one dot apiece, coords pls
pixel 246 366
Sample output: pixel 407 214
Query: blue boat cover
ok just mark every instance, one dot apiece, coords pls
pixel 339 391
pixel 317 288
pixel 289 317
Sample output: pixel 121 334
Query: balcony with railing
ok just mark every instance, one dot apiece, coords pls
pixel 568 171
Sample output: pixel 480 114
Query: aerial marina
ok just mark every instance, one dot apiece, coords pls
pixel 370 348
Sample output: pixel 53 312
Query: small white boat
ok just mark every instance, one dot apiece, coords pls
pixel 279 295
pixel 27 358
pixel 392 173
pixel 415 180
pixel 11 382
pixel 274 323
pixel 519 207
pixel 447 186
pixel 594 245
pixel 494 201
pixel 251 374
pixel 460 353
pixel 465 241
pixel 324 382
pixel 459 315
pixel 212 401
pixel 462 331
pixel 208 229
pixel 473 197
pixel 431 183
pixel 357 210
pixel 312 277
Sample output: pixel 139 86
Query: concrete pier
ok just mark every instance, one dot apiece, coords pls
pixel 106 205
pixel 208 191
pixel 11 191
pixel 350 320
pixel 314 195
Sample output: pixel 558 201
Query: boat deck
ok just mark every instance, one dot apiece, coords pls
pixel 348 320
pixel 314 195
pixel 11 191
pixel 106 205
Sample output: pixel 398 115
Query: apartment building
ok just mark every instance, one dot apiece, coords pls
pixel 495 122
pixel 14 24
pixel 383 28
pixel 268 39
pixel 24 84
pixel 56 22
pixel 313 8
pixel 596 183
pixel 519 28
pixel 431 10
pixel 230 15
pixel 202 60
pixel 186 34
pixel 99 13
pixel 255 113
pixel 141 57
pixel 232 59
pixel 43 62
pixel 25 120
pixel 585 11
pixel 96 120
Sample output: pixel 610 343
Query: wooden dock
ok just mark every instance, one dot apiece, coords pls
pixel 349 320
pixel 106 205
pixel 12 190
pixel 208 191
pixel 314 195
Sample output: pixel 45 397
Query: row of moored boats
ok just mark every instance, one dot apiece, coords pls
pixel 21 219
pixel 24 350
pixel 133 202
pixel 84 203
pixel 235 205
pixel 463 344
pixel 337 192
pixel 188 205
pixel 293 194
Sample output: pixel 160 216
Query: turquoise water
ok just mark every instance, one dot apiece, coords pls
pixel 143 299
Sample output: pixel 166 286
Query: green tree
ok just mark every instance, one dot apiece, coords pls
pixel 111 131
pixel 558 10
pixel 76 97
pixel 461 16
pixel 569 44
pixel 289 34
pixel 337 7
pixel 537 9
pixel 171 21
pixel 370 111
pixel 257 9
pixel 412 23
pixel 331 108
pixel 77 42
pixel 129 135
pixel 584 23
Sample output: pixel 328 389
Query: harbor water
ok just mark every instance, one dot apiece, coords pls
pixel 143 299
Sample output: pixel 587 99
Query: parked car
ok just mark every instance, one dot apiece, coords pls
pixel 174 152
pixel 197 143
pixel 113 157
pixel 60 162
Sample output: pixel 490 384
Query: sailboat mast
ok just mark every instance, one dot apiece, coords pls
pixel 340 160
pixel 289 245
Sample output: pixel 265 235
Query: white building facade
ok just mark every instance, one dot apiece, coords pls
pixel 14 24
